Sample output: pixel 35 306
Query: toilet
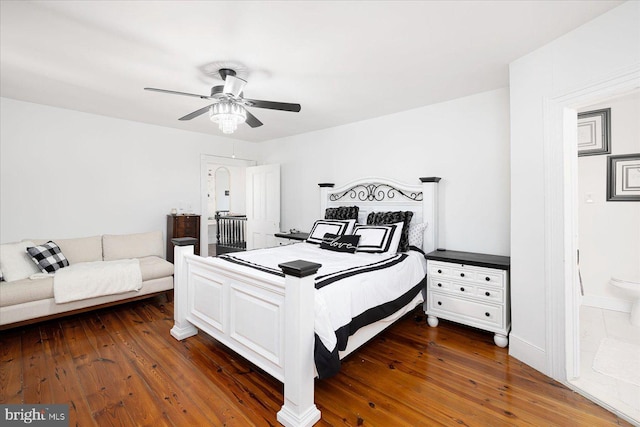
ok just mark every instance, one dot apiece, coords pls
pixel 631 289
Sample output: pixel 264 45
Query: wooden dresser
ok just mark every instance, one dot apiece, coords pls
pixel 470 288
pixel 182 226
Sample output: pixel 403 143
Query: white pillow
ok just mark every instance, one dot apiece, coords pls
pixel 332 226
pixel 15 262
pixel 395 241
pixel 377 239
pixel 416 234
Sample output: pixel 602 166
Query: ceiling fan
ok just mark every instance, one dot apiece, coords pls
pixel 228 107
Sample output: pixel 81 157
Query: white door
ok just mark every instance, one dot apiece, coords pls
pixel 263 205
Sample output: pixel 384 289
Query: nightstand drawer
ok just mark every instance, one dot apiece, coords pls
pixel 475 312
pixel 467 273
pixel 490 277
pixel 490 294
pixel 453 287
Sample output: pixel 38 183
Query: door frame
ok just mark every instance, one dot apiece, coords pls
pixel 205 160
pixel 563 296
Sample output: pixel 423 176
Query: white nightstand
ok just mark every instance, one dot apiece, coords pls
pixel 470 288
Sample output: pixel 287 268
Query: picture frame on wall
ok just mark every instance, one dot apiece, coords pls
pixel 623 177
pixel 594 132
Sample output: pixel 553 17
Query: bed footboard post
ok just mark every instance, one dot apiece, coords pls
pixel 181 328
pixel 298 408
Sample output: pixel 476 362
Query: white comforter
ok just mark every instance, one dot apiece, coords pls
pixel 338 303
pixel 94 279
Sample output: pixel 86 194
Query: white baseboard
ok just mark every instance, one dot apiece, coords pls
pixel 528 353
pixel 608 303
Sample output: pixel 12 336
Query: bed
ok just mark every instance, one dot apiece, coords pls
pixel 258 303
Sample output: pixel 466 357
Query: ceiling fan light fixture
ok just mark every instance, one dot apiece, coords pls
pixel 228 115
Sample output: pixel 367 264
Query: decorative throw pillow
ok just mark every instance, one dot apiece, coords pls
pixel 416 234
pixel 379 218
pixel 375 239
pixel 335 226
pixel 346 243
pixel 15 262
pixel 342 212
pixel 48 257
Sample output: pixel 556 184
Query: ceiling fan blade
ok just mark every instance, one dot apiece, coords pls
pixel 283 106
pixel 233 85
pixel 253 120
pixel 173 92
pixel 196 113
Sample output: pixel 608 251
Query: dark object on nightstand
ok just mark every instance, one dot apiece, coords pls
pixel 293 236
pixel 182 226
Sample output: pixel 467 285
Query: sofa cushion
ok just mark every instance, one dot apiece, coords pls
pixel 15 262
pixel 132 245
pixel 48 257
pixel 82 249
pixel 25 290
pixel 153 267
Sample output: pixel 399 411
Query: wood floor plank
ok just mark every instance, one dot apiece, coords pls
pixel 94 375
pixel 36 387
pixel 11 367
pixel 486 377
pixel 171 383
pixel 64 381
pixel 121 366
pixel 219 410
pixel 134 393
pixel 239 382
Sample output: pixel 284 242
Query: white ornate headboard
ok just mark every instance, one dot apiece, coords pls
pixel 380 194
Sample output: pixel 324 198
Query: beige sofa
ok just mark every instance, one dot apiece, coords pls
pixel 29 299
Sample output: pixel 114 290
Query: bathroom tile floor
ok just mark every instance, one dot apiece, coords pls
pixel 595 325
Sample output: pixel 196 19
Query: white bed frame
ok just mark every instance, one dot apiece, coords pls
pixel 265 320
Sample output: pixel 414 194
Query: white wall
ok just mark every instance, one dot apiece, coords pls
pixel 606 45
pixel 464 141
pixel 65 173
pixel 609 236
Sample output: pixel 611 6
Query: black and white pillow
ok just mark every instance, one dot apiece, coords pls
pixel 342 212
pixel 346 243
pixel 334 226
pixel 378 218
pixel 376 239
pixel 48 257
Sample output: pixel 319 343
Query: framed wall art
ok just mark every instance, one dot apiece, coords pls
pixel 594 132
pixel 623 177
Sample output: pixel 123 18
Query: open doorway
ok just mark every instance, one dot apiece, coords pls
pixel 563 294
pixel 222 189
pixel 609 242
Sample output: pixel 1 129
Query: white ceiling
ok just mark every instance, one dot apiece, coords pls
pixel 342 61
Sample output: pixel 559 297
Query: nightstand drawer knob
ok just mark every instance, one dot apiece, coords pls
pixel 439 271
pixel 439 285
pixel 439 302
pixel 462 289
pixel 488 294
pixel 487 314
pixel 461 274
pixel 488 279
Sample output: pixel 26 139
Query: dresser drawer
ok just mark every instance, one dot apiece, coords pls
pixel 477 313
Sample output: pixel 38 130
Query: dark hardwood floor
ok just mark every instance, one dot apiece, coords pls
pixel 120 366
